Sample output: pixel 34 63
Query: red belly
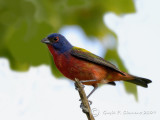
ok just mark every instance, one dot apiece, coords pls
pixel 72 68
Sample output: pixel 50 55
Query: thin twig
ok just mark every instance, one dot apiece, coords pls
pixel 85 104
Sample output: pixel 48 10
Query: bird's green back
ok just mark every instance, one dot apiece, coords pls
pixel 88 56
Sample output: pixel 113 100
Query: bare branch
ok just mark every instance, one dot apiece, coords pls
pixel 85 104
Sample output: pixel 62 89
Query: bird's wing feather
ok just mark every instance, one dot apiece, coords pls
pixel 88 56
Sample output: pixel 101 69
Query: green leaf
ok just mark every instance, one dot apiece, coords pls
pixel 23 23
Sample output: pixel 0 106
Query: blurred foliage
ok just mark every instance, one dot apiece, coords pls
pixel 23 23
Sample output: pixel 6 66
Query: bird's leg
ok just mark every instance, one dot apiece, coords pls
pixel 77 87
pixel 90 102
pixel 95 86
pixel 94 89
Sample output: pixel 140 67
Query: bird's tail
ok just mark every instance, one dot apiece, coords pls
pixel 138 81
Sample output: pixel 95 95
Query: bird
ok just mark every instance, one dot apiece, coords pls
pixel 90 69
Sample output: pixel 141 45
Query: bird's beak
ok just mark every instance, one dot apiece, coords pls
pixel 45 40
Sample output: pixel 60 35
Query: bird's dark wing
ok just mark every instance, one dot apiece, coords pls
pixel 88 56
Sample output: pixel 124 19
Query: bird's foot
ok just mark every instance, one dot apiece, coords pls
pixel 84 109
pixel 83 86
pixel 78 88
pixel 89 102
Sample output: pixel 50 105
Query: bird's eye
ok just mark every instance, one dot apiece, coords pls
pixel 56 39
pixel 53 39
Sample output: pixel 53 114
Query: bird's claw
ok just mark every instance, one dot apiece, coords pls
pixel 84 109
pixel 78 88
pixel 83 86
pixel 89 102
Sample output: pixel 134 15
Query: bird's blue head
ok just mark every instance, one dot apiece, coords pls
pixel 58 42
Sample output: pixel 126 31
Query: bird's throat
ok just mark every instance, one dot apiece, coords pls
pixel 50 49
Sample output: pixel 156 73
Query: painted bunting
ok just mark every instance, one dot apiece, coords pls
pixel 74 62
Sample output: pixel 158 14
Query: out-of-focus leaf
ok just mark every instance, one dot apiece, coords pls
pixel 23 23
